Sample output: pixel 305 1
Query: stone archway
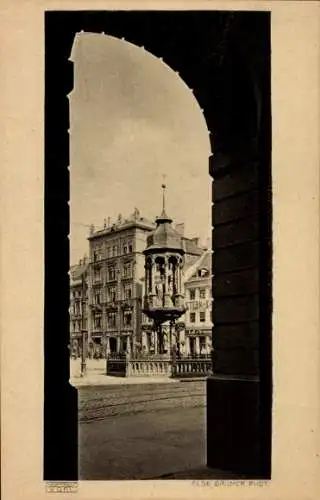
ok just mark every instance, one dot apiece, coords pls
pixel 225 58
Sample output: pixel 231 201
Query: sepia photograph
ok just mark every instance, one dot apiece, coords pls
pixel 140 293
pixel 169 300
pixel 160 249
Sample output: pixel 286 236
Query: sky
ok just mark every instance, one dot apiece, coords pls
pixel 132 121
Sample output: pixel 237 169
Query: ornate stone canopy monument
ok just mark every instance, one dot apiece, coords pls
pixel 164 259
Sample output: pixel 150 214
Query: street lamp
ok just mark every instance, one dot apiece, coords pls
pixel 83 355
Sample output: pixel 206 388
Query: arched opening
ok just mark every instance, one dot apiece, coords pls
pixel 224 58
pixel 148 124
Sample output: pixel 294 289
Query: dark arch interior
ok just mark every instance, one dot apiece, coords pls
pixel 225 58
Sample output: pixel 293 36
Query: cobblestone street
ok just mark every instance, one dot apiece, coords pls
pixel 141 431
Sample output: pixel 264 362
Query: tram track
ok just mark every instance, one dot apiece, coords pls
pixel 127 402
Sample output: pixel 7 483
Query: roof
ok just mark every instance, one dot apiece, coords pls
pixel 204 262
pixel 77 271
pixel 134 220
pixel 191 246
pixel 164 236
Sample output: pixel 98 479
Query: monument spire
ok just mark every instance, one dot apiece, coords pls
pixel 163 196
pixel 163 218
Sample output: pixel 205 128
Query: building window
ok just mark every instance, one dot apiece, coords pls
pixel 97 274
pixel 127 318
pixel 97 322
pixel 211 316
pixel 111 274
pixel 130 249
pixel 125 248
pixel 203 273
pixel 114 251
pixel 112 294
pixel 192 294
pixel 146 319
pixel 127 270
pixel 111 319
pixel 202 316
pixel 203 344
pixel 202 293
pixel 123 345
pixel 97 298
pixel 192 317
pixel 127 291
pixel 100 252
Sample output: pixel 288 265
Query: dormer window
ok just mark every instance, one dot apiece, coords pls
pixel 203 273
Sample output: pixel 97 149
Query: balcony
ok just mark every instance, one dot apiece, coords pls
pixel 127 304
pixel 126 276
pixel 112 328
pixel 75 315
pixel 111 280
pixel 75 335
pixel 126 329
pixel 97 333
pixel 97 281
pixel 96 307
pixel 111 305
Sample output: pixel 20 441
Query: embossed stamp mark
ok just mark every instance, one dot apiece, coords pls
pixel 61 487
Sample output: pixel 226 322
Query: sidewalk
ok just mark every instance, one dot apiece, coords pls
pixel 96 375
pixel 91 380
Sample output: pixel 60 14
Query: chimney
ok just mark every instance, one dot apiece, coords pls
pixel 180 228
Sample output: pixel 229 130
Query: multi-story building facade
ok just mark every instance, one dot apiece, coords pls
pixel 110 287
pixel 78 311
pixel 198 300
pixel 114 285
